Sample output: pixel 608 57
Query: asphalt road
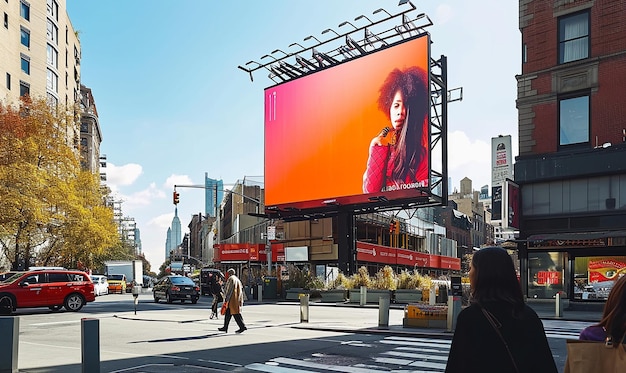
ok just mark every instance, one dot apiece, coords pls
pixel 180 338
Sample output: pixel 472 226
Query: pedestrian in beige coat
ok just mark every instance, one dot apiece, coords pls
pixel 233 294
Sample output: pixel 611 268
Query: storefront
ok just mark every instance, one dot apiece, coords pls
pixel 582 265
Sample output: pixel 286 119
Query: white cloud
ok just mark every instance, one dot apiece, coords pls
pixel 122 175
pixel 162 221
pixel 468 158
pixel 177 180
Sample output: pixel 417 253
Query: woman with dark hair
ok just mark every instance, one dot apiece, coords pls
pixel 612 326
pixel 498 332
pixel 397 155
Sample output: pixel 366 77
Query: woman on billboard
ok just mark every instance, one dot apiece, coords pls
pixel 398 156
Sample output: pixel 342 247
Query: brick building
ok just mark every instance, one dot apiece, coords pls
pixel 571 166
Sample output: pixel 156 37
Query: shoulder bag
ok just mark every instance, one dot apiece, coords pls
pixel 592 356
pixel 496 326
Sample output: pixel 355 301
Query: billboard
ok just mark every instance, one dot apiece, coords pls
pixel 511 211
pixel 344 136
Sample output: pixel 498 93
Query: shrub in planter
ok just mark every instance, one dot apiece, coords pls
pixel 385 279
pixel 360 278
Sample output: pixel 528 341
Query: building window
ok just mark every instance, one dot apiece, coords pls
pixel 52 100
pixel 25 63
pixel 52 81
pixel 25 10
pixel 8 81
pixel 574 120
pixel 6 20
pixel 52 56
pixel 53 9
pixel 574 37
pixel 84 127
pixel 24 88
pixel 52 32
pixel 25 37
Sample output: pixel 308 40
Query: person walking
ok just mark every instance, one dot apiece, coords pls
pixel 215 288
pixel 498 332
pixel 233 294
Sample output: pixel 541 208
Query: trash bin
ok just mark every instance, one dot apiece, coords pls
pixel 270 286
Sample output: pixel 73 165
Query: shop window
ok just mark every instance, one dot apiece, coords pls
pixel 545 274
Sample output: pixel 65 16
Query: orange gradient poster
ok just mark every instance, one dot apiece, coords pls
pixel 319 129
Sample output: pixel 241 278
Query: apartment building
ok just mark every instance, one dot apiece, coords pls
pixel 39 52
pixel 572 147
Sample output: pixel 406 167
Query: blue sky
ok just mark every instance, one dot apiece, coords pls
pixel 173 105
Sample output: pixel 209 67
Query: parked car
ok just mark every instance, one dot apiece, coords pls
pixel 117 283
pixel 175 287
pixel 100 284
pixel 5 275
pixel 46 288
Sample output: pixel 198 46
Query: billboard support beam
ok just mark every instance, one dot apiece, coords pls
pixel 346 243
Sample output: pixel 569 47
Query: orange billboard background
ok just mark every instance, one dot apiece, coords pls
pixel 318 127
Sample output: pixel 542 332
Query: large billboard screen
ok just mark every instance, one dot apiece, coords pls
pixel 351 133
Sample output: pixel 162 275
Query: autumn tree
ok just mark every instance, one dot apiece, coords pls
pixel 51 212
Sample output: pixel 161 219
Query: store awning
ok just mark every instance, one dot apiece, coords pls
pixel 576 236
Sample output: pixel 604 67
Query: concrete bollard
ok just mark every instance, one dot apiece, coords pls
pixel 383 311
pixel 260 293
pixel 90 345
pixel 432 297
pixel 9 343
pixel 558 305
pixel 454 308
pixel 304 307
pixel 363 296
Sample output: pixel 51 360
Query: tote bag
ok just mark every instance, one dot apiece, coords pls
pixel 590 356
pixel 224 308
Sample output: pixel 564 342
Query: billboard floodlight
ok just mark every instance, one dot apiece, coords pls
pixel 327 30
pixel 312 37
pixel 402 2
pixel 361 17
pixel 278 50
pixel 381 10
pixel 347 23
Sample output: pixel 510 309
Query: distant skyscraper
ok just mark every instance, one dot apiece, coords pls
pixel 138 248
pixel 213 188
pixel 174 235
pixel 168 243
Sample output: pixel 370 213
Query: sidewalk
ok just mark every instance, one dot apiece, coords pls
pixel 370 324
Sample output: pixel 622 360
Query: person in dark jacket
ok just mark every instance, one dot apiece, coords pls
pixel 514 340
pixel 215 287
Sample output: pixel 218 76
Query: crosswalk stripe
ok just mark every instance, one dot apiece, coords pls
pixel 271 368
pixel 312 365
pixel 417 356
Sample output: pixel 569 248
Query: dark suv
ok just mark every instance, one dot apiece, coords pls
pixel 54 288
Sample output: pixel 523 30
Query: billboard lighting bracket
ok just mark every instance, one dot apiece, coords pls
pixel 329 53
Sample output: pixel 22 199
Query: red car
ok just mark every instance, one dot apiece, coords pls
pixel 54 288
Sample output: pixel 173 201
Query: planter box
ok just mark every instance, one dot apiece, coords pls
pixel 294 293
pixel 424 323
pixel 335 296
pixel 372 295
pixel 408 296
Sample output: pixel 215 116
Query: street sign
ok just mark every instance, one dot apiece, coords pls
pixel 271 232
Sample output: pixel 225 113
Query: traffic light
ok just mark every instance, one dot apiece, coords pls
pixel 392 226
pixel 175 198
